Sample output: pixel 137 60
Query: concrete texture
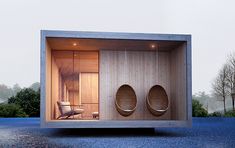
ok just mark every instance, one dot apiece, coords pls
pixel 44 104
pixel 205 132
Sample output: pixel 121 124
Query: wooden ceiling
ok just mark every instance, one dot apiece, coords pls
pixel 71 59
pixel 97 44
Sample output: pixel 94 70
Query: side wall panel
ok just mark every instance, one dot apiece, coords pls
pixel 178 83
pixel 48 83
pixel 139 69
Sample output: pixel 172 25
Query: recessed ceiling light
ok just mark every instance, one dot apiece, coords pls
pixel 152 46
pixel 75 44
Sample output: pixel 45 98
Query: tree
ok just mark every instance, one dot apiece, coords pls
pixel 11 110
pixel 16 88
pixel 198 110
pixel 28 100
pixel 203 98
pixel 35 86
pixel 5 92
pixel 220 84
pixel 231 75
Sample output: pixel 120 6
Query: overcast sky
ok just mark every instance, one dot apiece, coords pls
pixel 211 23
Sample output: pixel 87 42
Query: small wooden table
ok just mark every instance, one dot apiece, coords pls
pixel 95 114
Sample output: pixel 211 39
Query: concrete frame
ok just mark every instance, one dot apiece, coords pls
pixel 119 123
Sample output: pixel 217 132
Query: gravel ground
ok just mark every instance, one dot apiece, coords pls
pixel 205 132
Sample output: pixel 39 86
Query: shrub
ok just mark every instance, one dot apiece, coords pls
pixel 215 114
pixel 230 114
pixel 28 100
pixel 11 110
pixel 198 110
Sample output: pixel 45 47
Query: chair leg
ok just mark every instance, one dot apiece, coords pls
pixel 58 117
pixel 67 116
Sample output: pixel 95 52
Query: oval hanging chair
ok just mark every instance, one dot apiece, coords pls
pixel 126 100
pixel 157 100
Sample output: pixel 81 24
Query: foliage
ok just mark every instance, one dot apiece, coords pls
pixel 231 76
pixel 35 86
pixel 220 85
pixel 230 114
pixel 198 110
pixel 219 114
pixel 215 114
pixel 28 100
pixel 11 110
pixel 5 92
pixel 16 88
pixel 202 97
pixel 225 80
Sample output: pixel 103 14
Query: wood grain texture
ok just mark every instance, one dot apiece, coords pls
pixel 89 88
pixel 48 83
pixel 139 69
pixel 178 83
pixel 55 75
pixel 88 109
pixel 89 94
pixel 110 44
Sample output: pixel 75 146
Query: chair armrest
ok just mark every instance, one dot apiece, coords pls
pixel 65 105
pixel 71 105
pixel 76 105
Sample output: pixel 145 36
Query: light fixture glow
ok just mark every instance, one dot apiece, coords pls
pixel 152 46
pixel 74 44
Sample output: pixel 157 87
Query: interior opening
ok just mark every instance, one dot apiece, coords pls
pixel 83 76
pixel 74 85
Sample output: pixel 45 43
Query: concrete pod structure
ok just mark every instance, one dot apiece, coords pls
pixel 115 80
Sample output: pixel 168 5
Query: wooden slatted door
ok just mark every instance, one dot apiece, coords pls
pixel 89 93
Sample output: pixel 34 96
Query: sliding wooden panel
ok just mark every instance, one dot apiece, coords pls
pixel 89 93
pixel 89 87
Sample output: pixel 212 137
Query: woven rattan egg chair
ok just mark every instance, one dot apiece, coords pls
pixel 157 100
pixel 126 100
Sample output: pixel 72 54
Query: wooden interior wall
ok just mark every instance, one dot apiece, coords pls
pixel 48 83
pixel 139 69
pixel 89 93
pixel 86 61
pixel 55 89
pixel 64 92
pixel 178 82
pixel 74 97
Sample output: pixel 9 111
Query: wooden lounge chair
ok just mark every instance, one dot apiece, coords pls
pixel 67 110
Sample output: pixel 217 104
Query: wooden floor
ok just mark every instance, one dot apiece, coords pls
pixel 77 118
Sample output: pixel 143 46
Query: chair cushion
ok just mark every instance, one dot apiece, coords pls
pixel 95 113
pixel 79 110
pixel 65 107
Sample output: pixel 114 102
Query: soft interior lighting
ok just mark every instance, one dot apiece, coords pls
pixel 153 46
pixel 74 44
